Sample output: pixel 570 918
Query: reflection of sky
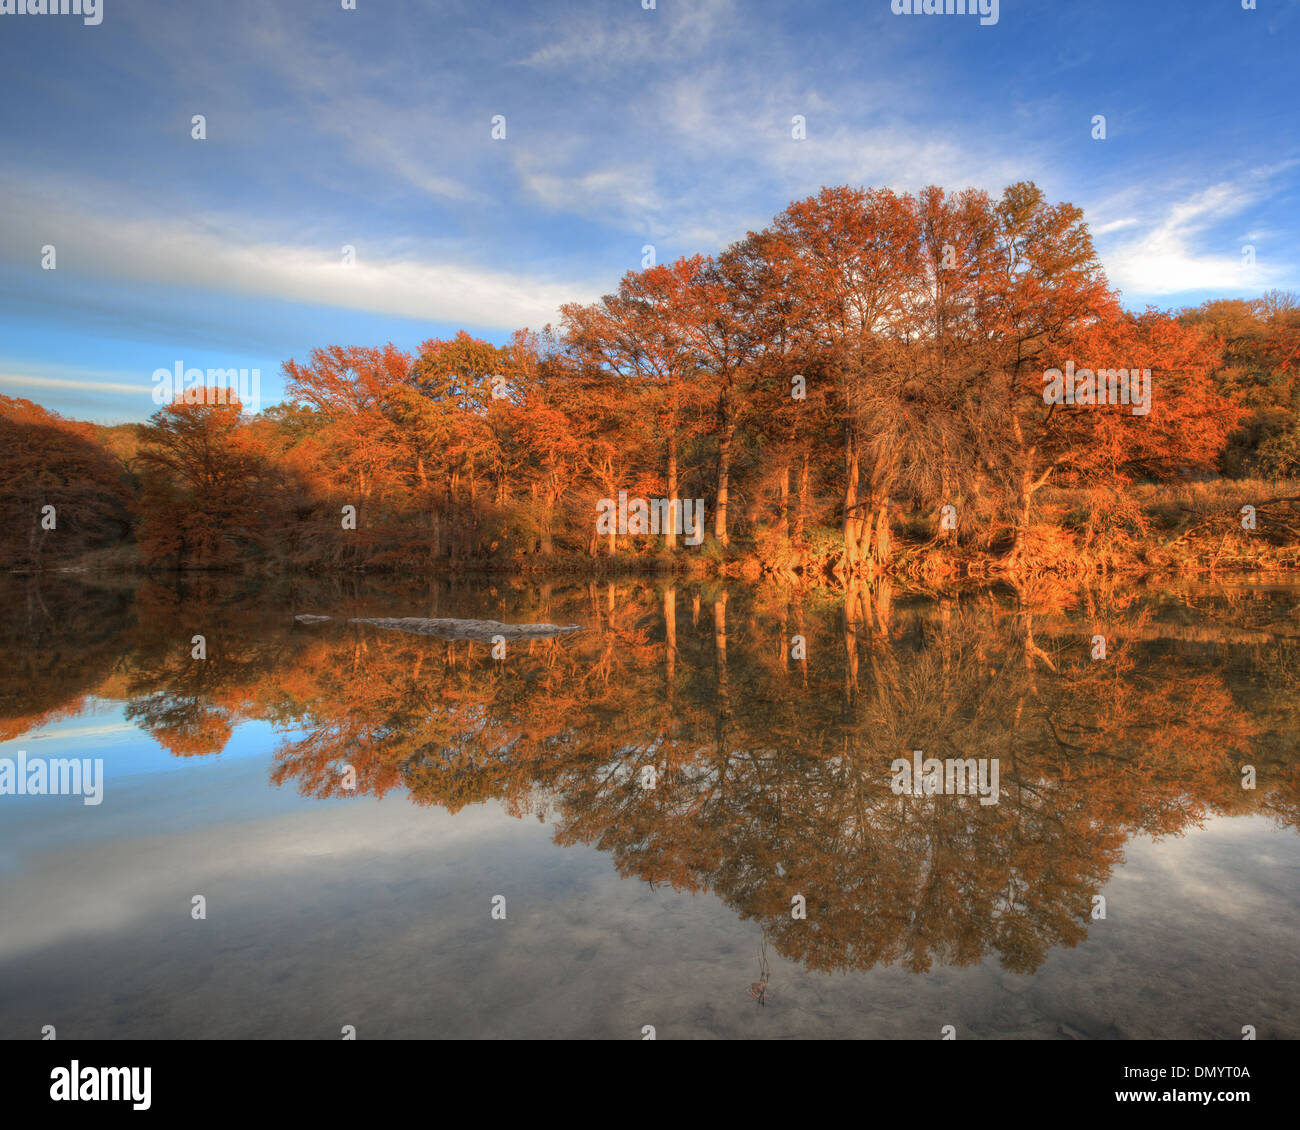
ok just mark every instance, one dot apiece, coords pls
pixel 138 771
pixel 101 729
pixel 376 913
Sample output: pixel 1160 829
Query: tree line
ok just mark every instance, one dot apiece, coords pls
pixel 829 386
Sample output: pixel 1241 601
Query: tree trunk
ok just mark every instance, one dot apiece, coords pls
pixel 852 619
pixel 673 503
pixel 720 632
pixel 883 546
pixel 724 482
pixel 783 483
pixel 723 706
pixel 801 514
pixel 670 638
pixel 856 529
pixel 548 521
pixel 1026 477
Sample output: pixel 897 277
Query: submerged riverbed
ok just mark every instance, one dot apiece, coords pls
pixel 679 816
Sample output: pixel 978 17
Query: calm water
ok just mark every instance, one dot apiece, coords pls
pixel 771 724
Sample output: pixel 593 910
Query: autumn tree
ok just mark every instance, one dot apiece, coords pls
pixel 638 333
pixel 1180 426
pixel 1049 284
pixel 47 461
pixel 851 257
pixel 349 387
pixel 207 488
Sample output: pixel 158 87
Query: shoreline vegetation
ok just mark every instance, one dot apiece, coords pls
pixel 1203 538
pixel 930 387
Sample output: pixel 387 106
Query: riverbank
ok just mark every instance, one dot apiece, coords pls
pixel 1224 526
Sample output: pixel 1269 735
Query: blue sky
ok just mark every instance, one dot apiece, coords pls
pixel 372 128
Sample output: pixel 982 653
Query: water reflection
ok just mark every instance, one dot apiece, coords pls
pixel 770 722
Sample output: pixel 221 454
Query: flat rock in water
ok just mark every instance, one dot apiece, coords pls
pixel 310 618
pixel 468 629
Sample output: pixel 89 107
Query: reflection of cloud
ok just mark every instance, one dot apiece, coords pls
pixel 350 913
pixel 1205 867
pixel 128 877
pixel 62 733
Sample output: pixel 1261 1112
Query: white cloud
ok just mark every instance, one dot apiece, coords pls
pixel 1171 257
pixel 710 152
pixel 218 253
pixel 1114 225
pixel 73 384
pixel 639 36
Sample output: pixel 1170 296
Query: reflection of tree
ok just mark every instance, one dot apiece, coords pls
pixel 190 705
pixel 58 643
pixel 772 782
pixel 771 771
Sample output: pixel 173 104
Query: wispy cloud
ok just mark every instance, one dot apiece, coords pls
pixel 655 34
pixel 71 384
pixel 1188 245
pixel 213 253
